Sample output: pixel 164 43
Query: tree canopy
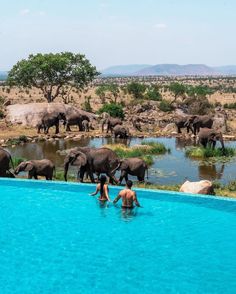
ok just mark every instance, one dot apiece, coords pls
pixel 54 74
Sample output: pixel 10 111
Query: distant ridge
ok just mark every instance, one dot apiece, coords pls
pixel 169 70
pixel 3 75
pixel 124 70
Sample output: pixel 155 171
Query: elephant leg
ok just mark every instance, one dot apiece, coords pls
pixel 122 176
pixel 179 130
pixel 140 179
pixel 68 128
pixel 35 176
pixel 91 176
pixel 109 174
pixel 57 128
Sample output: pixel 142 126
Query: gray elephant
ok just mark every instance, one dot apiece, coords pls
pixel 199 121
pixel 5 161
pixel 111 122
pixel 121 132
pixel 49 120
pixel 92 160
pixel 209 137
pixel 182 122
pixel 134 167
pixel 35 168
pixel 75 119
pixel 85 125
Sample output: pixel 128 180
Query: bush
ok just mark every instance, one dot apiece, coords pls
pixel 1 114
pixel 230 105
pixel 137 90
pixel 165 106
pixel 113 109
pixel 153 93
pixel 200 152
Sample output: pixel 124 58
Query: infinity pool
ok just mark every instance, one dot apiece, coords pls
pixel 54 238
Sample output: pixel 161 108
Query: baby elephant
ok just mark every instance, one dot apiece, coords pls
pixel 134 167
pixel 43 167
pixel 85 125
pixel 121 132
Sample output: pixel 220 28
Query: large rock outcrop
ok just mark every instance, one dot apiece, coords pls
pixel 201 187
pixel 32 113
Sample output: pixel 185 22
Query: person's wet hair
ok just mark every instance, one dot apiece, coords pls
pixel 129 183
pixel 102 180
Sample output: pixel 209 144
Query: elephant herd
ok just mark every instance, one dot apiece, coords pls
pixel 88 160
pixel 201 125
pixel 83 121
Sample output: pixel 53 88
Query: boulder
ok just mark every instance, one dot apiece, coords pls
pixel 31 114
pixel 170 128
pixel 201 187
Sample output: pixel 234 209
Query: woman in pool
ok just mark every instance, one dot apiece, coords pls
pixel 102 187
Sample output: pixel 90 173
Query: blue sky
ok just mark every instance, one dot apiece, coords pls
pixel 112 32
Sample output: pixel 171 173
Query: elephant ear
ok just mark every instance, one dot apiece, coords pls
pixel 29 166
pixel 80 159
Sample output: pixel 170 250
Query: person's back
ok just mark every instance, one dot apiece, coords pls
pixel 103 189
pixel 128 197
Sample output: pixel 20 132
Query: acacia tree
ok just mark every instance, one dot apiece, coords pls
pixel 112 90
pixel 178 90
pixel 53 74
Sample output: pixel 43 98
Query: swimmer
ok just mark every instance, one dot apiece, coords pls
pixel 102 187
pixel 128 196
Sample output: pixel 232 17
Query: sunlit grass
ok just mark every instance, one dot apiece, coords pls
pixel 200 152
pixel 146 150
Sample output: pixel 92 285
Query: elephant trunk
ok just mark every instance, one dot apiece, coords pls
pixel 116 168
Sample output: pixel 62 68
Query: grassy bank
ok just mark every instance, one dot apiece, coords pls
pixel 201 153
pixel 146 150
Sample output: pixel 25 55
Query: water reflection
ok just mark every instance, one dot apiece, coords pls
pixel 210 172
pixel 182 143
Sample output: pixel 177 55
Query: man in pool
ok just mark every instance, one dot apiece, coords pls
pixel 128 196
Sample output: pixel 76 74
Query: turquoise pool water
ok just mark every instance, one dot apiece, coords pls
pixel 54 238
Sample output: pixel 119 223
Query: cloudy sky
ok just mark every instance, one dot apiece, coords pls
pixel 112 32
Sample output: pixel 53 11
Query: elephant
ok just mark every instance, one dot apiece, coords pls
pixel 75 119
pixel 209 137
pixel 50 120
pixel 111 122
pixel 5 161
pixel 121 132
pixel 35 168
pixel 92 160
pixel 199 121
pixel 85 125
pixel 132 166
pixel 182 122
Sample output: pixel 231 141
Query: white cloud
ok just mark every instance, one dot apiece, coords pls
pixel 24 11
pixel 160 26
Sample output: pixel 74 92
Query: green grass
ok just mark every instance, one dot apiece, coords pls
pixel 146 150
pixel 71 177
pixel 17 160
pixel 200 152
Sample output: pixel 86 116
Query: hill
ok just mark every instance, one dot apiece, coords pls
pixel 3 75
pixel 169 70
pixel 123 70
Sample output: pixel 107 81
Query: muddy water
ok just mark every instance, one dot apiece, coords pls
pixel 168 169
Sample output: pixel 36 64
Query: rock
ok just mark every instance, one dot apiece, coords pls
pixel 2 141
pixel 201 187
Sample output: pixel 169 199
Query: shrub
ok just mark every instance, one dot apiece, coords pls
pixel 17 160
pixel 137 90
pixel 114 110
pixel 165 106
pixel 153 93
